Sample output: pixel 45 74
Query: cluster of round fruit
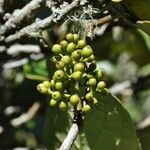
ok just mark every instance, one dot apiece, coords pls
pixel 76 79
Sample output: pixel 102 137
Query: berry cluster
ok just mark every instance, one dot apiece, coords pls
pixel 76 79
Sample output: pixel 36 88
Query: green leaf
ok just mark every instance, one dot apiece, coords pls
pixel 56 127
pixel 36 70
pixel 109 127
pixel 144 136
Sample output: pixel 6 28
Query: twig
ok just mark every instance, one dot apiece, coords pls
pixel 17 48
pixel 1 6
pixel 19 15
pixel 41 24
pixel 143 124
pixel 72 134
pixel 21 62
pixel 120 87
pixel 26 116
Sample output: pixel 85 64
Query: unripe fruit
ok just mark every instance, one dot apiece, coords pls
pixel 70 47
pixel 59 75
pixel 52 103
pixel 63 106
pixel 66 59
pixel 70 37
pixel 95 101
pixel 86 108
pixel 56 95
pixel 81 44
pixel 76 37
pixel 52 83
pixel 74 99
pixel 92 82
pixel 46 84
pixel 79 67
pixel 60 65
pixel 105 91
pixel 63 44
pixel 76 55
pixel 98 74
pixel 77 75
pixel 56 49
pixel 101 85
pixel 42 89
pixel 89 96
pixel 87 51
pixel 59 86
pixel 91 58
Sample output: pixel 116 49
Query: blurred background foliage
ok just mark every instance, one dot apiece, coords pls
pixel 123 52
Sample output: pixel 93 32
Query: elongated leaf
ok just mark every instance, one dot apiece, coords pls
pixel 109 126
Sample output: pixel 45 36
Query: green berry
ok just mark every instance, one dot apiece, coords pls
pixel 46 84
pixel 60 65
pixel 56 49
pixel 66 59
pixel 59 86
pixel 52 103
pixel 87 51
pixel 89 59
pixel 52 83
pixel 95 101
pixel 56 95
pixel 89 96
pixel 77 75
pixel 70 37
pixel 98 74
pixel 86 108
pixel 81 43
pixel 63 44
pixel 71 47
pixel 92 82
pixel 76 37
pixel 59 75
pixel 42 89
pixel 63 106
pixel 76 55
pixel 101 85
pixel 74 99
pixel 105 91
pixel 79 67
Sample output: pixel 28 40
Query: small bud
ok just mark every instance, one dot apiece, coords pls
pixel 86 108
pixel 87 51
pixel 92 82
pixel 56 49
pixel 63 44
pixel 101 85
pixel 56 95
pixel 59 86
pixel 77 75
pixel 46 84
pixel 74 99
pixel 76 55
pixel 59 75
pixel 63 106
pixel 81 44
pixel 52 103
pixel 79 67
pixel 66 59
pixel 70 37
pixel 71 47
pixel 76 38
